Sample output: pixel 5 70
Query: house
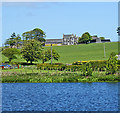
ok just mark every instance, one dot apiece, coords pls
pixel 70 39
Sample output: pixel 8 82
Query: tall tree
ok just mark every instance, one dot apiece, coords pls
pixel 27 35
pixel 11 41
pixel 31 51
pixel 36 34
pixel 18 40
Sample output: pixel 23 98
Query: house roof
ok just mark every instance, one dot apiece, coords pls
pixel 68 35
pixel 54 40
pixel 93 37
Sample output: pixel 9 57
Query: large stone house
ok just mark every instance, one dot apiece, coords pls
pixel 70 39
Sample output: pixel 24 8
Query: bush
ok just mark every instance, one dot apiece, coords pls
pixel 118 62
pixel 112 66
pixel 97 65
pixel 87 69
pixel 74 67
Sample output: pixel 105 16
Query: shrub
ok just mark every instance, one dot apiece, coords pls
pixel 118 62
pixel 111 66
pixel 87 69
pixel 74 67
pixel 95 64
pixel 98 64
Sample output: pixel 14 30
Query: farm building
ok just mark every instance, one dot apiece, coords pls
pixel 98 40
pixel 54 41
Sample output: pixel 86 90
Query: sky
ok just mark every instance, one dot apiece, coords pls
pixel 56 18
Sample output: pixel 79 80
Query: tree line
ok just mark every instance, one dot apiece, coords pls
pixel 17 40
pixel 32 47
pixel 39 35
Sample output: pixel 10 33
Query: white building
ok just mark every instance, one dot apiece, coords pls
pixel 70 39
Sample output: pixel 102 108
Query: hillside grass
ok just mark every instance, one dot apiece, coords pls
pixel 82 52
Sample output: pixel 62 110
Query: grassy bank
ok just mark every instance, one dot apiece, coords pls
pixel 57 77
pixel 82 52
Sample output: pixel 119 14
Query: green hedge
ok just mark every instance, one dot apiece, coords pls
pixel 60 67
pixel 47 66
pixel 95 64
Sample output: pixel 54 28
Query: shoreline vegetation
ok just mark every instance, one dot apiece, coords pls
pixel 52 76
pixel 85 71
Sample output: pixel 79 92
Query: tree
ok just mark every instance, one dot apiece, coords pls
pixel 11 41
pixel 36 34
pixel 102 38
pixel 14 40
pixel 31 50
pixel 95 36
pixel 85 38
pixel 27 35
pixel 18 40
pixel 46 55
pixel 10 53
pixel 111 66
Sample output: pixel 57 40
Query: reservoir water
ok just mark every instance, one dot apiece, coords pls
pixel 60 96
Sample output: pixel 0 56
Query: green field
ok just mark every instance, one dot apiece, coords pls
pixel 82 52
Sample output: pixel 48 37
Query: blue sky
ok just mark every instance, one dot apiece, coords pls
pixel 56 18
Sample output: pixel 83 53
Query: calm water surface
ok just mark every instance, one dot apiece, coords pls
pixel 60 96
